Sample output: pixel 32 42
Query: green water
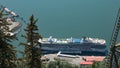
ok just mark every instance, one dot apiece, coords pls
pixel 66 18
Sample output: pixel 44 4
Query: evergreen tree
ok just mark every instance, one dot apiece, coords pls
pixel 96 65
pixel 32 47
pixel 60 64
pixel 7 51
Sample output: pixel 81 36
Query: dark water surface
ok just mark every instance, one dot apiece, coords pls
pixel 66 18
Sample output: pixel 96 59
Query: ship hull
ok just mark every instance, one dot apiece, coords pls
pixel 75 49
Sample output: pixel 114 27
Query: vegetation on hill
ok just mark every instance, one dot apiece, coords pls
pixel 32 46
pixel 7 50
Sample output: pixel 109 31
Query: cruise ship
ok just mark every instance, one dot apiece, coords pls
pixel 74 46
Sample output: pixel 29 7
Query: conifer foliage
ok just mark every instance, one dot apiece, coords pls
pixel 32 47
pixel 7 51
